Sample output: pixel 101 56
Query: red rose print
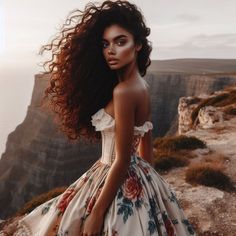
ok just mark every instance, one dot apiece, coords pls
pixel 146 170
pixel 84 179
pixel 66 198
pixel 91 200
pixel 135 144
pixel 132 187
pixel 114 232
pixel 169 228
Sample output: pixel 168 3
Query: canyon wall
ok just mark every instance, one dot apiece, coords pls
pixel 38 158
pixel 167 88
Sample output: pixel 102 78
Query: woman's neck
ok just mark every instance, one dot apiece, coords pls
pixel 128 72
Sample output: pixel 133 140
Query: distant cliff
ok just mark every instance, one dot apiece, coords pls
pixel 37 158
pixel 167 88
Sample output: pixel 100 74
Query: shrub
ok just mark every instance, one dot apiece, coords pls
pixel 207 102
pixel 179 142
pixel 230 87
pixel 208 174
pixel 230 110
pixel 219 100
pixel 217 159
pixel 40 199
pixel 194 100
pixel 167 161
pixel 230 99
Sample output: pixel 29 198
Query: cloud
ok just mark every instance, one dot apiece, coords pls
pixel 2 29
pixel 167 25
pixel 200 46
pixel 215 40
pixel 187 17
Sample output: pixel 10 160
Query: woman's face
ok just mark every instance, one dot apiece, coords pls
pixel 118 46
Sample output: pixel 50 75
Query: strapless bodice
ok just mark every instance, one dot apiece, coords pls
pixel 104 122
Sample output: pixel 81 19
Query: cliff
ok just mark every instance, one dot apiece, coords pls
pixel 38 158
pixel 167 88
pixel 212 210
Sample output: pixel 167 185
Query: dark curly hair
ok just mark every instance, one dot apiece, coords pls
pixel 81 82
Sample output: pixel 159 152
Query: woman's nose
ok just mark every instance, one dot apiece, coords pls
pixel 111 50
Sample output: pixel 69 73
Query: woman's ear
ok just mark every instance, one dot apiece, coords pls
pixel 138 46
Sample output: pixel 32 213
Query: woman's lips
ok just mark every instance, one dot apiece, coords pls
pixel 112 61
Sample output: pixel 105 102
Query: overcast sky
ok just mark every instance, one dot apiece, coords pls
pixel 179 29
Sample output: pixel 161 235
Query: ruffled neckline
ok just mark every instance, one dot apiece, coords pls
pixel 102 120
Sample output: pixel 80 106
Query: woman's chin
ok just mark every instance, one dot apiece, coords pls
pixel 114 67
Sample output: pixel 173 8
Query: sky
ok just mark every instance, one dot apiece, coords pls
pixel 179 29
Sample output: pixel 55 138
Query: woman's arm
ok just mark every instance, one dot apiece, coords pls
pixel 124 109
pixel 146 147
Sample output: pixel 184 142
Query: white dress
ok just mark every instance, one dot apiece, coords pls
pixel 145 204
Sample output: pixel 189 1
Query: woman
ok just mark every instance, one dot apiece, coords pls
pixel 97 85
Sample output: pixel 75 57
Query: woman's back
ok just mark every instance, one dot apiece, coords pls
pixel 140 90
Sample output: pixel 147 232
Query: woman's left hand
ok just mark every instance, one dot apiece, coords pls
pixel 93 225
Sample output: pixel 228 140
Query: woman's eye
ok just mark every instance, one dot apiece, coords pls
pixel 104 44
pixel 120 42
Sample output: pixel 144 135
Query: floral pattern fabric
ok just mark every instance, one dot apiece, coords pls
pixel 145 204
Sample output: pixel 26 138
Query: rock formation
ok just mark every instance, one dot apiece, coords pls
pixel 167 88
pixel 39 158
pixel 213 211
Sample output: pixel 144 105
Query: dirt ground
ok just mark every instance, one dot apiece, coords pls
pixel 210 210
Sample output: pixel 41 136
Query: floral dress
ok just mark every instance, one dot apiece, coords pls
pixel 145 204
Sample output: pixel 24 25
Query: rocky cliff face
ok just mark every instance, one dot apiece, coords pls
pixel 213 211
pixel 207 115
pixel 167 88
pixel 38 158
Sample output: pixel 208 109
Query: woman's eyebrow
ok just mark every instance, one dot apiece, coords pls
pixel 117 37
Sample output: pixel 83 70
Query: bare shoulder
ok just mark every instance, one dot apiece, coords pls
pixel 131 87
pixel 122 87
pixel 123 91
pixel 124 105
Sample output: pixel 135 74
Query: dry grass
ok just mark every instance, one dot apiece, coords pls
pixel 230 99
pixel 175 143
pixel 206 102
pixel 209 174
pixel 218 129
pixel 219 100
pixel 230 87
pixel 170 151
pixel 194 100
pixel 218 159
pixel 38 200
pixel 231 110
pixel 167 162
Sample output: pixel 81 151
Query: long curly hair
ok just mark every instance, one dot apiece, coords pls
pixel 80 81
